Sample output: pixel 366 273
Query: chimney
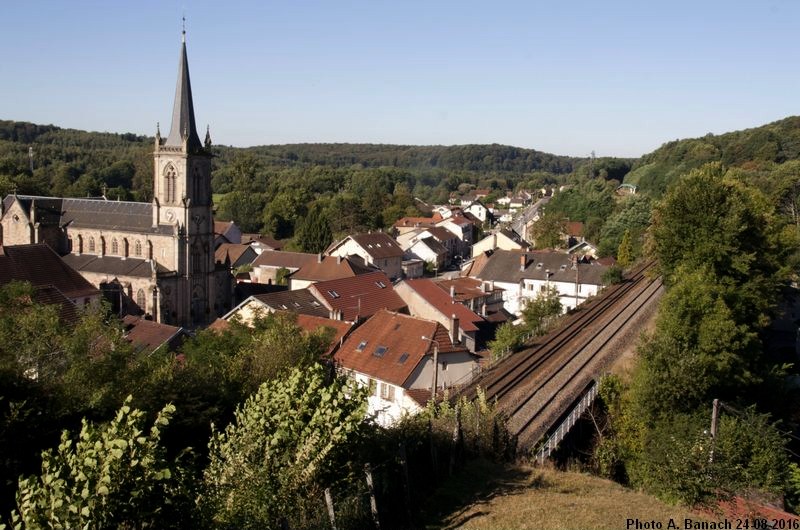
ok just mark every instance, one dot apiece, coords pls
pixel 494 240
pixel 339 259
pixel 523 261
pixel 483 287
pixel 319 257
pixel 454 329
pixel 332 314
pixel 483 309
pixel 452 291
pixel 491 285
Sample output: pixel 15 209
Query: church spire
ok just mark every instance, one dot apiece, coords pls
pixel 183 126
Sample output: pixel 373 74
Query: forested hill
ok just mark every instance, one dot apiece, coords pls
pixel 762 147
pixel 70 162
pixel 492 157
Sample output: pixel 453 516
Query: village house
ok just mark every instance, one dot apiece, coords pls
pixel 505 239
pixel 427 300
pixel 526 275
pixel 428 250
pixel 375 248
pixel 301 301
pixel 148 336
pixel 326 268
pixel 358 297
pixel 392 354
pixel 261 243
pixel 235 255
pixel 269 265
pixel 226 232
pixel 483 298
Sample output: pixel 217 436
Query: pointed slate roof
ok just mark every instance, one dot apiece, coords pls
pixel 183 110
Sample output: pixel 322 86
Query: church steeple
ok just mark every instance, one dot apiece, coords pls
pixel 183 126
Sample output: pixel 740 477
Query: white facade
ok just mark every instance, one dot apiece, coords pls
pixel 571 294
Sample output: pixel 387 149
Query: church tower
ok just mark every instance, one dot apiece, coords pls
pixel 182 199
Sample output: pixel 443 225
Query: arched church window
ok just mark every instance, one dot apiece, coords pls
pixel 170 181
pixel 91 244
pixel 137 248
pixel 114 246
pixel 140 299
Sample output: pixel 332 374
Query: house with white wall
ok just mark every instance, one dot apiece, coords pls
pixel 392 354
pixel 525 275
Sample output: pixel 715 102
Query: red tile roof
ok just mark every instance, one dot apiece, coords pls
pixel 359 296
pixel 441 234
pixel 148 335
pixel 269 241
pixel 331 268
pixel 466 288
pixel 399 337
pixel 40 265
pixel 340 328
pixel 415 221
pixel 231 251
pixel 289 260
pixel 379 245
pixel 442 302
pixel 68 312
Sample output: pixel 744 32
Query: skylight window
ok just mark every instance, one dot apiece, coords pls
pixel 380 284
pixel 563 267
pixel 361 345
pixel 538 265
pixel 403 358
pixel 333 294
pixel 296 304
pixel 283 306
pixel 380 351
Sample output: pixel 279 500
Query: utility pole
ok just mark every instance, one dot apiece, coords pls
pixel 714 421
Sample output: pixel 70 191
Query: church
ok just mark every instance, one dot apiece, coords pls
pixel 156 258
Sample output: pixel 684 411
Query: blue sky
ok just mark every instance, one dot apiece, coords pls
pixel 616 77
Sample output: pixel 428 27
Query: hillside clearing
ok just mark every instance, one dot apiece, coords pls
pixel 490 496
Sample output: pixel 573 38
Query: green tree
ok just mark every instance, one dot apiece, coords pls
pixel 540 312
pixel 547 232
pixel 314 231
pixel 507 339
pixel 277 453
pixel 112 476
pixel 698 351
pixel 625 251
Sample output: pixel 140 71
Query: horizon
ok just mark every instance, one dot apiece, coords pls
pixel 620 79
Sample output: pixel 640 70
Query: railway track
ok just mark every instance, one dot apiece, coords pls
pixel 530 385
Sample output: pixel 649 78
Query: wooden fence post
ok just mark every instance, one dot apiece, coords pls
pixel 329 502
pixel 373 504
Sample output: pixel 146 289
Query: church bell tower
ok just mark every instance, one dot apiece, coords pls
pixel 182 200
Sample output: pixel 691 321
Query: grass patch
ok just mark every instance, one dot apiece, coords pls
pixel 490 496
